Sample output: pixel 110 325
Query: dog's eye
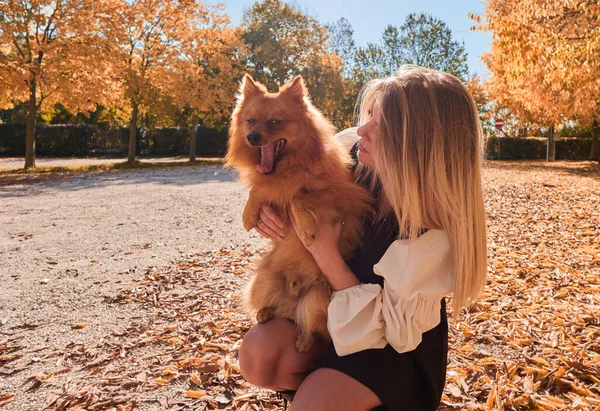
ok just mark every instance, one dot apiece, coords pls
pixel 275 122
pixel 251 120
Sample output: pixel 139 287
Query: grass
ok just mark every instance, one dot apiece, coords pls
pixel 120 165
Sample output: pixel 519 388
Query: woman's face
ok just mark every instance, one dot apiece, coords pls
pixel 367 133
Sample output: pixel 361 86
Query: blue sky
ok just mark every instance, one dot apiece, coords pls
pixel 369 18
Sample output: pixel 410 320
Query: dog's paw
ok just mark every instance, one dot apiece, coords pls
pixel 306 238
pixel 265 314
pixel 249 223
pixel 304 343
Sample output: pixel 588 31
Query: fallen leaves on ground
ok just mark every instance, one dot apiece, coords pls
pixel 532 341
pixel 189 343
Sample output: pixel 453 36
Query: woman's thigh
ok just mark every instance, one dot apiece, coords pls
pixel 268 355
pixel 327 389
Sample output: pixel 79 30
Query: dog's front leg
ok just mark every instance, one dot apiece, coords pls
pixel 311 209
pixel 306 221
pixel 251 211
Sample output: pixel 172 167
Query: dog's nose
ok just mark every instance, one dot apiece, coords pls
pixel 254 138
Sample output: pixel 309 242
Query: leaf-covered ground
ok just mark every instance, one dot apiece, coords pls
pixel 531 342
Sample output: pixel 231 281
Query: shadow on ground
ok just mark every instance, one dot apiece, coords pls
pixel 589 169
pixel 16 185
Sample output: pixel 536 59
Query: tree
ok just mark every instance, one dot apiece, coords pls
pixel 341 35
pixel 281 39
pixel 422 40
pixel 209 59
pixel 282 42
pixel 52 51
pixel 427 41
pixel 543 60
pixel 149 40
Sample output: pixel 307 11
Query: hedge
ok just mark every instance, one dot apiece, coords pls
pixel 567 148
pixel 85 140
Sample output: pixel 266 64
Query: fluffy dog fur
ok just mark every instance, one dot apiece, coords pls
pixel 308 179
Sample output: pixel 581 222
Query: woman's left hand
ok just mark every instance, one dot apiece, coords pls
pixel 325 245
pixel 326 253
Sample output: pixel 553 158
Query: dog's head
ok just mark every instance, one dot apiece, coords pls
pixel 266 127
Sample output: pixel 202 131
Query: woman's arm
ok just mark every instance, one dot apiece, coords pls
pixel 417 275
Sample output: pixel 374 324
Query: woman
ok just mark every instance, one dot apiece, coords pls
pixel 420 154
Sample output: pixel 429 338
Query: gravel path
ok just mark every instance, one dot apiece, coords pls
pixel 68 241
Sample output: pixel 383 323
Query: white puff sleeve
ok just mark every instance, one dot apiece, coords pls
pixel 417 275
pixel 347 137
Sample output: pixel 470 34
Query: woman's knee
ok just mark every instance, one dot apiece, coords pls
pixel 262 351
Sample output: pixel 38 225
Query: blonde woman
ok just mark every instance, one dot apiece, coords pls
pixel 420 154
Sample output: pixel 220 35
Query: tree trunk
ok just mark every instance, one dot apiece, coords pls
pixel 195 121
pixel 551 147
pixel 132 133
pixel 595 153
pixel 30 136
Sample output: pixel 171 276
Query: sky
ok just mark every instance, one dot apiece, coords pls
pixel 369 19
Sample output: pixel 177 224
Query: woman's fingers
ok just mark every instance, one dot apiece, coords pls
pixel 266 231
pixel 269 213
pixel 270 219
pixel 262 233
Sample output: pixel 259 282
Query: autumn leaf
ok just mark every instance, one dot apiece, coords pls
pixel 196 379
pixel 195 394
pixel 6 398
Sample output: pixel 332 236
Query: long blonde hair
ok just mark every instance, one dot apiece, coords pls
pixel 428 153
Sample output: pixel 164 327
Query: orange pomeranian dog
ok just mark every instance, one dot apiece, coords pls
pixel 282 147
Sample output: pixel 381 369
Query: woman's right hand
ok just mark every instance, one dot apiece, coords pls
pixel 270 225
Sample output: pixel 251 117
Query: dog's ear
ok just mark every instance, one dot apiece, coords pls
pixel 250 87
pixel 296 89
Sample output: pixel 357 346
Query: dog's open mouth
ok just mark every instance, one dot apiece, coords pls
pixel 269 155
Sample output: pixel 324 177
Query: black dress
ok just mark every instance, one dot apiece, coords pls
pixel 411 381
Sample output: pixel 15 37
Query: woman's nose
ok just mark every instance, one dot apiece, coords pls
pixel 361 131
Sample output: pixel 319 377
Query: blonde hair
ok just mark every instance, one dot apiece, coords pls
pixel 428 153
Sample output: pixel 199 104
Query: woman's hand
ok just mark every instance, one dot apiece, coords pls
pixel 270 225
pixel 325 243
pixel 326 253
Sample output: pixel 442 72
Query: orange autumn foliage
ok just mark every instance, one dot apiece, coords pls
pixel 543 58
pixel 53 51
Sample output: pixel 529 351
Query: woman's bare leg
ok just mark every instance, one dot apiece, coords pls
pixel 268 356
pixel 327 389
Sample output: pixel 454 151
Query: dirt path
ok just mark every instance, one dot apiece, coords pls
pixel 68 243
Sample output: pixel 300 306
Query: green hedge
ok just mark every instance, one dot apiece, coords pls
pixel 175 140
pixel 115 142
pixel 12 140
pixel 85 140
pixel 211 142
pixel 535 148
pixel 573 148
pixel 64 140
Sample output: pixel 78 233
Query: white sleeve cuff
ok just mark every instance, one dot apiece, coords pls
pixel 407 320
pixel 355 322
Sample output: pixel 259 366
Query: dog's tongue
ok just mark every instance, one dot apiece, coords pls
pixel 267 158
